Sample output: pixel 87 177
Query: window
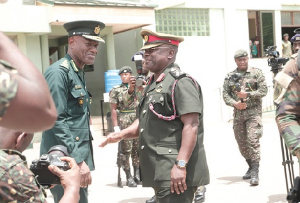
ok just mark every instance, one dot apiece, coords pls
pixel 183 21
pixel 290 18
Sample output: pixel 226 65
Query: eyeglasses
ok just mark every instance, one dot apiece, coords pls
pixel 151 50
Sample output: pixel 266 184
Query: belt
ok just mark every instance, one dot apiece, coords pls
pixel 128 111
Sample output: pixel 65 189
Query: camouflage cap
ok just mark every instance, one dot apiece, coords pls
pixel 125 69
pixel 154 39
pixel 240 53
pixel 86 28
pixel 296 37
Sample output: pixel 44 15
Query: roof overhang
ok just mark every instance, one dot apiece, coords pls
pixel 120 17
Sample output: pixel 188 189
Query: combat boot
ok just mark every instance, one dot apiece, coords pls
pixel 130 182
pixel 254 173
pixel 136 175
pixel 248 173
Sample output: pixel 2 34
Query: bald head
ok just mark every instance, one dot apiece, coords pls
pixel 11 139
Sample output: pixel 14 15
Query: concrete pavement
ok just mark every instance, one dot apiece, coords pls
pixel 224 160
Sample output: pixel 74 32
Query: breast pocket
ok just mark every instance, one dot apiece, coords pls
pixel 159 104
pixel 76 103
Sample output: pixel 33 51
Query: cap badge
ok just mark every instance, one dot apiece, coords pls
pixel 97 30
pixel 297 38
pixel 146 38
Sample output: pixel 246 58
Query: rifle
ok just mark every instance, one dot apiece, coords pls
pixel 119 163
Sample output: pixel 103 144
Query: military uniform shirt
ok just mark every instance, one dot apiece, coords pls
pixel 253 82
pixel 116 96
pixel 17 182
pixel 71 98
pixel 160 140
pixel 8 85
pixel 288 108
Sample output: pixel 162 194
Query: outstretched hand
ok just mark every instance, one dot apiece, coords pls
pixel 111 138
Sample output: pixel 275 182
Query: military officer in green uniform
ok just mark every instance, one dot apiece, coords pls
pixel 169 125
pixel 68 88
pixel 244 89
pixel 123 115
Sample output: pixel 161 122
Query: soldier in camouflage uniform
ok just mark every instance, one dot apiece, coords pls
pixel 123 114
pixel 288 101
pixel 18 183
pixel 243 89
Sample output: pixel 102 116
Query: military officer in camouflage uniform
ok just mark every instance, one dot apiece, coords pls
pixel 169 125
pixel 123 114
pixel 288 101
pixel 243 90
pixel 68 88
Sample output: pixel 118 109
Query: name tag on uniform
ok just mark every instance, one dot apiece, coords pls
pixel 77 87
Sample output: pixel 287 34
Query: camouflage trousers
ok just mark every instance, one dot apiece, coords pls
pixel 248 129
pixel 289 128
pixel 129 147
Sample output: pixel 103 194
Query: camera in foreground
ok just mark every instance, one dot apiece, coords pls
pixel 40 166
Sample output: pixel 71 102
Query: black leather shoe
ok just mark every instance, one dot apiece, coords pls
pixel 200 195
pixel 152 200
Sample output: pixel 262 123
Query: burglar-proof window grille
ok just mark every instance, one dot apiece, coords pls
pixel 183 21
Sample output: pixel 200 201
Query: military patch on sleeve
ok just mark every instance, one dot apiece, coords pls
pixel 8 88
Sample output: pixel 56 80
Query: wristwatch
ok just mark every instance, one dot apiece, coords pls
pixel 180 163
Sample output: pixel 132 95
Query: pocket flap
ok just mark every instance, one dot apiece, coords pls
pixel 78 93
pixel 167 149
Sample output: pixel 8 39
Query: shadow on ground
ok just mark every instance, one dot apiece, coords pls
pixel 133 200
pixel 278 198
pixel 232 180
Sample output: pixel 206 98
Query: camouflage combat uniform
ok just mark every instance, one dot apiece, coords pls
pixel 288 104
pixel 8 85
pixel 247 124
pixel 17 182
pixel 126 116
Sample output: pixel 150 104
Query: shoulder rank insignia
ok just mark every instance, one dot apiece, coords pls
pixel 65 64
pixel 176 72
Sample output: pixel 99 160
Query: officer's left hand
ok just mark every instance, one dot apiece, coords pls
pixel 178 177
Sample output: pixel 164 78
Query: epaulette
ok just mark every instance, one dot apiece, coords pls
pixel 116 86
pixel 176 72
pixel 64 64
pixel 294 56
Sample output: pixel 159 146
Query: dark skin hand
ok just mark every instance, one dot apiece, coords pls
pixel 241 105
pixel 189 139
